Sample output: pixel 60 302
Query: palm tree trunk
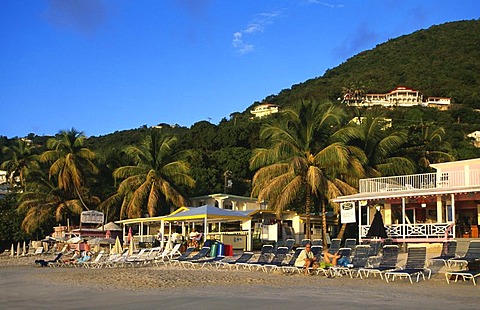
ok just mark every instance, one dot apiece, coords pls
pixel 80 197
pixel 307 211
pixel 342 231
pixel 324 225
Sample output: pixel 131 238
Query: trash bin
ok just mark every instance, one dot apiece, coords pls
pixel 221 249
pixel 213 250
pixel 228 249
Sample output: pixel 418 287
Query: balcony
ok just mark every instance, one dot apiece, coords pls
pixel 443 180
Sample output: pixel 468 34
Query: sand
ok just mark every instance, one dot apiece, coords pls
pixel 25 286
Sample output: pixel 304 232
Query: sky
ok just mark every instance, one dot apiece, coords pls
pixel 101 66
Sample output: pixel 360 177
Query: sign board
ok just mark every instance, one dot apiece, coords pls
pixel 347 212
pixel 93 217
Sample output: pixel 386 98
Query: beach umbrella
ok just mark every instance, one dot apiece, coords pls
pixel 377 228
pixel 74 240
pixel 12 251
pixel 131 248
pixel 117 248
pixel 19 249
pixel 24 248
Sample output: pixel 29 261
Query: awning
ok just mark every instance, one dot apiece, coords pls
pixel 207 212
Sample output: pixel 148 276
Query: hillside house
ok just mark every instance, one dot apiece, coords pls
pixel 476 138
pixel 265 109
pixel 399 97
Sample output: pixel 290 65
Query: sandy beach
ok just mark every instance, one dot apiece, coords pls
pixel 25 286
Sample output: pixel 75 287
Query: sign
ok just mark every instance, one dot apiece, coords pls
pixel 347 212
pixel 93 217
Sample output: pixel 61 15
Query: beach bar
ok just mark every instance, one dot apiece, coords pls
pixel 429 207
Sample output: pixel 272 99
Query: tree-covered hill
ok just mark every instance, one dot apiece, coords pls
pixel 441 61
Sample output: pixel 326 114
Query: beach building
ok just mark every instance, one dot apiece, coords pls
pixel 264 109
pixel 428 207
pixel 243 222
pixel 399 97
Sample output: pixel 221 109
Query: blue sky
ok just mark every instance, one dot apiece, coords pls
pixel 106 65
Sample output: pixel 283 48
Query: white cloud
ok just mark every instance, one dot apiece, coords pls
pixel 257 25
pixel 325 4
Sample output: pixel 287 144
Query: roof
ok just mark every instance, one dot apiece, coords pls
pixel 405 194
pixel 206 212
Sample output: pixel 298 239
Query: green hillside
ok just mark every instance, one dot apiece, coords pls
pixel 442 61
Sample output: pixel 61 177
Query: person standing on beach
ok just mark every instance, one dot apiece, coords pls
pixel 306 259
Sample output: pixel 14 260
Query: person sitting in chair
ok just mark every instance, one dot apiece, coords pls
pixel 193 238
pixel 306 259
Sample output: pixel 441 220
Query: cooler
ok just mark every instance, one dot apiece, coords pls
pixel 228 250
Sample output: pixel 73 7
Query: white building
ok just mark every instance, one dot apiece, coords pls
pixel 428 207
pixel 399 97
pixel 476 138
pixel 265 109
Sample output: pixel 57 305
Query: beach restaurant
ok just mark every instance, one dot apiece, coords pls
pixel 428 207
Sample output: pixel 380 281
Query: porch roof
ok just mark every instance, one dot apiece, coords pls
pixel 409 193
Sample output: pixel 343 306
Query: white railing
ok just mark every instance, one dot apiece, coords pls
pixel 431 230
pixel 420 181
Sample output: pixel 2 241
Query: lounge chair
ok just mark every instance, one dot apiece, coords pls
pixel 242 259
pixel 290 265
pixel 336 270
pixel 359 260
pixel 350 243
pixel 264 257
pixel 277 260
pixel 449 249
pixel 388 262
pixel 464 274
pixel 195 258
pixel 304 242
pixel 415 266
pixel 334 246
pixel 182 257
pixel 96 262
pixel 45 263
pixel 473 253
pixel 289 243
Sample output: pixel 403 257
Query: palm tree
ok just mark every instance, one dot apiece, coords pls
pixel 45 201
pixel 155 178
pixel 427 145
pixel 379 144
pixel 71 162
pixel 22 161
pixel 307 157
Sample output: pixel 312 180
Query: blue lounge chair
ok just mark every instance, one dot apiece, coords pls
pixel 449 249
pixel 242 259
pixel 473 253
pixel 388 261
pixel 415 266
pixel 334 246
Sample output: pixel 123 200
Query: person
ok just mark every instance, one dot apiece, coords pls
pixel 331 260
pixel 75 256
pixel 306 259
pixel 85 257
pixel 193 238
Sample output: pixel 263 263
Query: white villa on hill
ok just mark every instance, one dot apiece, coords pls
pixel 399 97
pixel 429 207
pixel 476 138
pixel 265 109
